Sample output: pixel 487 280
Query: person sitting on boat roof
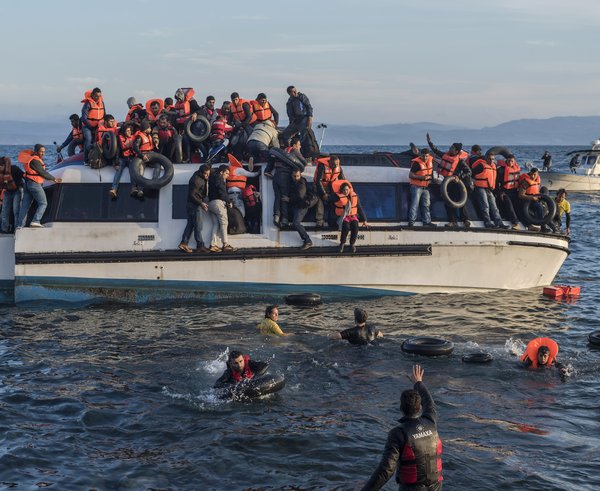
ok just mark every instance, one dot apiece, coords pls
pixel 136 113
pixel 197 204
pixel 300 114
pixel 186 107
pixel 237 182
pixel 268 326
pixel 547 160
pixel 263 137
pixel 349 212
pixel 302 199
pixel 327 171
pixel 166 136
pixel 263 110
pixel 240 367
pixel 420 176
pixel 154 110
pixel 563 207
pixel 74 138
pixel 220 133
pixel 11 184
pixel 125 157
pixel 484 176
pixel 476 154
pixel 34 176
pixel 92 113
pixel 529 190
pixel 574 163
pixel 453 165
pixel 507 188
pixel 142 146
pixel 362 333
pixel 218 202
pixel 542 352
pixel 242 113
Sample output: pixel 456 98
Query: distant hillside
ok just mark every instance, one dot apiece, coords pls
pixel 568 130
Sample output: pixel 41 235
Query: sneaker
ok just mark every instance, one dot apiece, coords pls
pixel 202 249
pixel 228 248
pixel 534 228
pixel 214 249
pixel 285 222
pixel 467 224
pixel 452 224
pixel 276 220
pixel 430 224
pixel 251 164
pixel 36 225
pixel 353 248
pixel 133 193
pixel 184 247
pixel 307 245
pixel 113 194
pixel 411 224
pixel 341 248
pixel 501 226
pixel 140 195
pixel 489 225
pixel 515 226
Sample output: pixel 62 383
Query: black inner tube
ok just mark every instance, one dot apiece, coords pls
pixel 428 346
pixel 549 206
pixel 454 192
pixel 256 387
pixel 505 152
pixel 303 299
pixel 137 167
pixel 109 145
pixel 594 338
pixel 287 158
pixel 478 358
pixel 198 130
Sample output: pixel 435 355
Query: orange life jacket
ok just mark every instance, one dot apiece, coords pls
pixel 147 145
pixel 448 163
pixel 132 109
pixel 262 113
pixel 126 145
pixel 533 185
pixel 96 112
pixel 329 174
pixel 340 204
pixel 534 345
pixel 219 129
pixel 426 170
pixel 26 157
pixel 237 376
pixel 183 107
pixel 149 114
pixel 486 179
pixel 104 129
pixel 235 180
pixel 6 179
pixel 77 134
pixel 238 111
pixel 511 176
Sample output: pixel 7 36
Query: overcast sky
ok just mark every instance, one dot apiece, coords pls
pixel 469 63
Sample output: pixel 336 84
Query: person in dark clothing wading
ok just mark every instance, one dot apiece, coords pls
pixel 413 448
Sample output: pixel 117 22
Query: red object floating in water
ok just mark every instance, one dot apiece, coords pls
pixel 562 291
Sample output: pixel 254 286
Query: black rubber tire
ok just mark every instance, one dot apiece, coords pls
pixel 303 299
pixel 446 196
pixel 505 152
pixel 478 358
pixel 428 346
pixel 256 387
pixel 72 148
pixel 550 211
pixel 287 158
pixel 594 338
pixel 177 150
pixel 191 129
pixel 137 167
pixel 109 145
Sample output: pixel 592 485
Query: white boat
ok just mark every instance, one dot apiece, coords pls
pixel 586 178
pixel 93 247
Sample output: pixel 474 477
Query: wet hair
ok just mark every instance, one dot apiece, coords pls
pixel 96 90
pixel 37 147
pixel 289 89
pixel 222 168
pixel 108 117
pixel 360 315
pixel 544 190
pixel 269 310
pixel 204 168
pixel 74 117
pixel 295 140
pixel 234 354
pixel 561 191
pixel 410 403
pixel 262 95
pixel 168 101
pixel 234 95
pixel 344 186
pixel 210 98
pixel 542 350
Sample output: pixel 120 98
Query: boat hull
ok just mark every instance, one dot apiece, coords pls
pixel 584 183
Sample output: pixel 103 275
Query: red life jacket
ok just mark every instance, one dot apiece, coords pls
pixel 425 169
pixel 183 107
pixel 77 135
pixel 104 129
pixel 486 179
pixel 149 114
pixel 511 175
pixel 96 112
pixel 421 459
pixel 6 179
pixel 126 146
pixel 532 351
pixel 448 163
pixel 165 134
pixel 147 145
pixel 262 113
pixel 219 129
pixel 26 157
pixel 249 196
pixel 238 111
pixel 329 174
pixel 340 204
pixel 533 185
pixel 133 109
pixel 237 376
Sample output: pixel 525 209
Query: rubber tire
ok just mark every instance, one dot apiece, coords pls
pixel 427 346
pixel 177 149
pixel 446 195
pixel 477 358
pixel 193 136
pixel 303 299
pixel 109 145
pixel 594 338
pixel 505 152
pixel 256 387
pixel 547 218
pixel 137 175
pixel 287 158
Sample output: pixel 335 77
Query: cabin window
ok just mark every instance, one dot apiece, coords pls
pixel 179 201
pixel 92 203
pixel 380 201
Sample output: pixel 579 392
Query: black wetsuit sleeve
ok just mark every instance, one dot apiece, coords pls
pixel 435 149
pixel 427 403
pixel 36 166
pixel 68 140
pixel 388 463
pixel 258 367
pixel 275 115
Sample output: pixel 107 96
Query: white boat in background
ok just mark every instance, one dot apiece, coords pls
pixel 92 247
pixel 587 177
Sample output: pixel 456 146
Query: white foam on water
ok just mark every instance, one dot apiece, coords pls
pixel 515 347
pixel 217 365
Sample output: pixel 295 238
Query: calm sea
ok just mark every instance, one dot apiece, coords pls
pixel 116 396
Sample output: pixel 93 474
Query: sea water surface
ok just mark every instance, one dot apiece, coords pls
pixel 116 396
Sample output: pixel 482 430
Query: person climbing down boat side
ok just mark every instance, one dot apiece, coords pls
pixel 75 136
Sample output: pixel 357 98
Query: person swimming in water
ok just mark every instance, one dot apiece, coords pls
pixel 542 352
pixel 240 367
pixel 362 333
pixel 269 324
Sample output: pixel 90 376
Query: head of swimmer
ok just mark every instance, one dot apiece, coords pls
pixel 272 312
pixel 410 403
pixel 236 361
pixel 543 355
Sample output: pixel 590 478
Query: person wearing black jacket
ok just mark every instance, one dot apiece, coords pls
pixel 218 202
pixel 413 448
pixel 240 367
pixel 197 201
pixel 300 114
pixel 11 182
pixel 362 333
pixel 302 199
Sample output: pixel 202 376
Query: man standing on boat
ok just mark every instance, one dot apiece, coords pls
pixel 197 203
pixel 507 187
pixel 302 199
pixel 574 163
pixel 484 175
pixel 300 114
pixel 11 182
pixel 529 190
pixel 92 113
pixel 218 202
pixel 547 160
pixel 420 176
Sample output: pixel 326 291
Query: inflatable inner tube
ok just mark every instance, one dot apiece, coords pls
pixel 454 192
pixel 594 338
pixel 549 206
pixel 303 299
pixel 255 387
pixel 428 346
pixel 197 131
pixel 287 158
pixel 478 358
pixel 109 145
pixel 138 166
pixel 505 152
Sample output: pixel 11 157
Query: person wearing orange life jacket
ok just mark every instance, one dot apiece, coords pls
pixel 74 138
pixel 141 146
pixel 420 176
pixel 185 107
pixel 349 212
pixel 136 112
pixel 154 109
pixel 11 184
pixel 92 113
pixel 263 110
pixel 327 170
pixel 484 177
pixel 507 188
pixel 237 181
pixel 125 139
pixel 529 190
pixel 453 164
pixel 542 352
pixel 253 206
pixel 240 367
pixel 413 449
pixel 242 112
pixel 34 176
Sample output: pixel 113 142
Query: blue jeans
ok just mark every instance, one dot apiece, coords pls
pixel 123 164
pixel 88 141
pixel 11 204
pixel 300 212
pixel 33 192
pixel 487 206
pixel 419 196
pixel 194 223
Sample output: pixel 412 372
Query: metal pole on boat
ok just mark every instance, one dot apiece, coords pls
pixel 324 127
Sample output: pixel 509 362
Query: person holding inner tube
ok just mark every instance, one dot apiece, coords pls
pixel 362 333
pixel 563 207
pixel 484 176
pixel 529 190
pixel 142 145
pixel 92 113
pixel 507 188
pixel 74 138
pixel 268 326
pixel 125 156
pixel 542 352
pixel 420 175
pixel 348 211
pixel 218 202
pixel 413 449
pixel 302 199
pixel 240 367
pixel 185 107
pixel 108 125
pixel 453 164
pixel 136 113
